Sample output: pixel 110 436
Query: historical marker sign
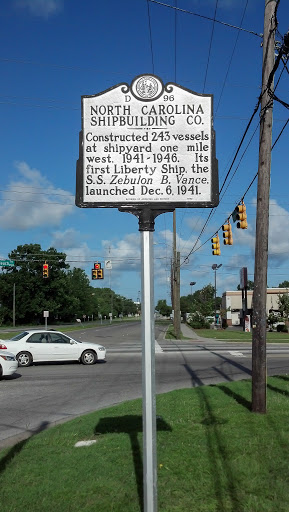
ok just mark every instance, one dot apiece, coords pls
pixel 147 144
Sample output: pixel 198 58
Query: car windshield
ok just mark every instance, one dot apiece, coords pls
pixel 19 336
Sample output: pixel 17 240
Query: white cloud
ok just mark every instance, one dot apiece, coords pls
pixel 66 239
pixel 43 8
pixel 124 254
pixel 32 201
pixel 78 253
pixel 278 239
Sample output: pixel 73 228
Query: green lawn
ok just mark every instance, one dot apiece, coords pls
pixel 230 335
pixel 214 455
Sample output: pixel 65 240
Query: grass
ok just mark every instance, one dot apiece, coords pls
pixel 230 335
pixel 214 455
pixel 170 334
pixel 6 334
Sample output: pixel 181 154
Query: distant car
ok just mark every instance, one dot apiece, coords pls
pixel 8 363
pixel 41 345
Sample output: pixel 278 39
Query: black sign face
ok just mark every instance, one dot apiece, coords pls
pixel 147 144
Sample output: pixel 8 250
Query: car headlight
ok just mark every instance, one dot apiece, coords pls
pixel 101 348
pixel 8 358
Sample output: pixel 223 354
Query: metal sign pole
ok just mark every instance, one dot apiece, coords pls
pixel 148 376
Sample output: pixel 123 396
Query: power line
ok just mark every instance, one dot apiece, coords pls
pixel 150 36
pixel 210 46
pixel 206 18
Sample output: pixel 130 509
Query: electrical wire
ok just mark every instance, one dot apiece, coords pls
pixel 210 47
pixel 207 18
pixel 246 130
pixel 150 36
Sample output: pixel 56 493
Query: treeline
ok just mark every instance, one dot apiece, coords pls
pixel 66 293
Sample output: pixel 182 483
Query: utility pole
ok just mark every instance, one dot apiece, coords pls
pixel 259 363
pixel 176 281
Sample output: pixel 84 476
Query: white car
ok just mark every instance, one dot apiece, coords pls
pixel 41 345
pixel 8 363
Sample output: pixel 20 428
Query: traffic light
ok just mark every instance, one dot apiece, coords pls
pixel 45 270
pixel 227 233
pixel 241 216
pixel 97 271
pixel 216 245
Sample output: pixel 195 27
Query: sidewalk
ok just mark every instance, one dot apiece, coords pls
pixel 189 333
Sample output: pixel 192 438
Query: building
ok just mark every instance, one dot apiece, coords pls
pixel 232 304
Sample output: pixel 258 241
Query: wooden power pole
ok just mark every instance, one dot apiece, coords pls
pixel 176 281
pixel 259 363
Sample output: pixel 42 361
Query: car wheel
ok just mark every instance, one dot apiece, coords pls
pixel 1 372
pixel 24 359
pixel 88 357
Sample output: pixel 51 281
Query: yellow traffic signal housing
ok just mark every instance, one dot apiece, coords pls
pixel 241 216
pixel 227 233
pixel 216 245
pixel 45 270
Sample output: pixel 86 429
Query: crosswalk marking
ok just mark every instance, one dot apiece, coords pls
pixel 236 353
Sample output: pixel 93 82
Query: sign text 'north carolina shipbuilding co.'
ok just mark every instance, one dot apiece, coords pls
pixel 147 144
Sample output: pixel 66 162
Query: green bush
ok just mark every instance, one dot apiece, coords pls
pixel 282 328
pixel 198 321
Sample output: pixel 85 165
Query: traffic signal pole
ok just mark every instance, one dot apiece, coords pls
pixel 259 363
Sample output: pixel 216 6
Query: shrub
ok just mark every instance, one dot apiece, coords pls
pixel 198 321
pixel 282 328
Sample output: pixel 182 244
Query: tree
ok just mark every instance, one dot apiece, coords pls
pixel 201 301
pixel 250 285
pixel 283 301
pixel 204 301
pixel 284 284
pixel 163 308
pixel 66 293
pixel 33 293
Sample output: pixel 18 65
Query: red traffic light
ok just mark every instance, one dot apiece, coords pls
pixel 45 270
pixel 97 266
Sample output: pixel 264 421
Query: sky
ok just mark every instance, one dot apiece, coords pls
pixel 55 51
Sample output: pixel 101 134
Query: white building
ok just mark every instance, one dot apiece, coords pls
pixel 232 303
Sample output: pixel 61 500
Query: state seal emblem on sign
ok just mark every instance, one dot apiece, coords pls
pixel 147 87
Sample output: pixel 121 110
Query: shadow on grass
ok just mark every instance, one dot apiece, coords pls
pixel 218 457
pixel 216 445
pixel 239 398
pixel 131 425
pixel 284 377
pixel 18 447
pixel 278 390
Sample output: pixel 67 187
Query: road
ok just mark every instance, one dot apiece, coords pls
pixel 45 394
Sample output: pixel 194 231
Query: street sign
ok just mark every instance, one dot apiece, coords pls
pixel 7 263
pixel 147 144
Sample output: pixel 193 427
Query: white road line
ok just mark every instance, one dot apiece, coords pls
pixel 158 348
pixel 236 353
